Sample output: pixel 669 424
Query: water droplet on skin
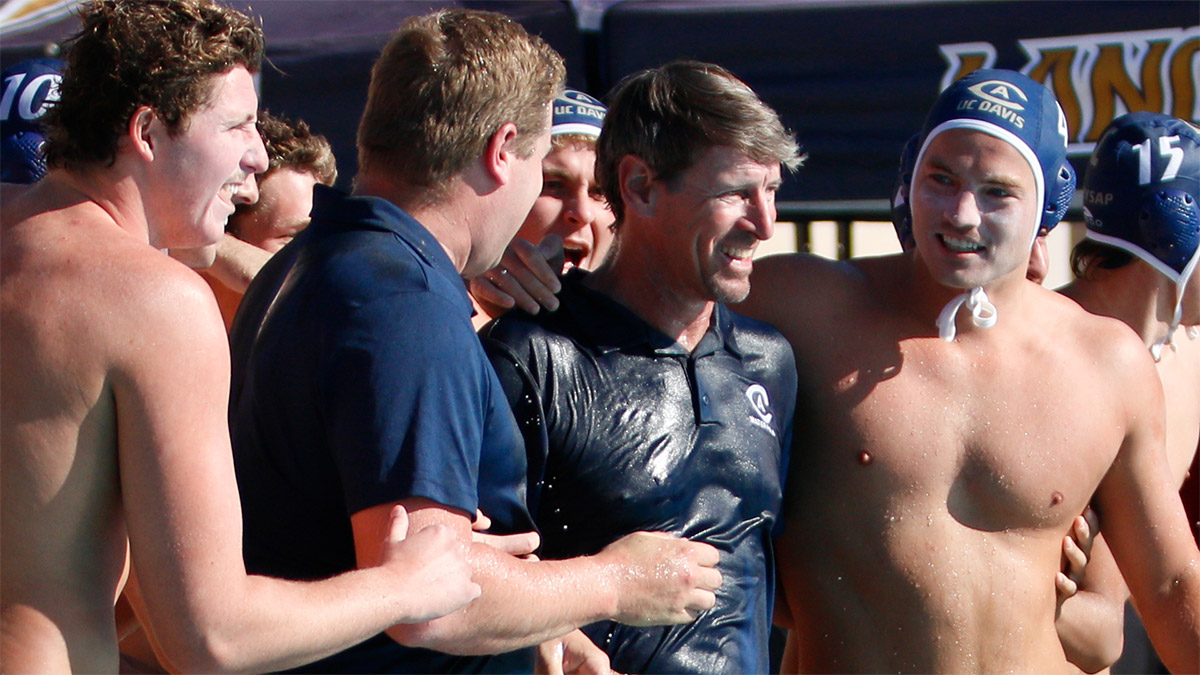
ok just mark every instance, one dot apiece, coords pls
pixel 864 458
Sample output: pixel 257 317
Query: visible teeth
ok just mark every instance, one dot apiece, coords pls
pixel 737 253
pixel 961 245
pixel 233 190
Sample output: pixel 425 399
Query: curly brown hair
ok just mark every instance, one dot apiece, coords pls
pixel 132 53
pixel 443 85
pixel 292 145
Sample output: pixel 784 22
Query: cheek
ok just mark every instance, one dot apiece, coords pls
pixel 541 217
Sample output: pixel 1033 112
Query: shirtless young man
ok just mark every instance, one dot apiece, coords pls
pixel 1138 264
pixel 112 429
pixel 959 449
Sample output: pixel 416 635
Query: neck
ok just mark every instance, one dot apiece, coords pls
pixel 447 219
pixel 114 192
pixel 929 298
pixel 1136 294
pixel 633 277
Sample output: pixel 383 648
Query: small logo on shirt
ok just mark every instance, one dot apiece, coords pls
pixel 760 404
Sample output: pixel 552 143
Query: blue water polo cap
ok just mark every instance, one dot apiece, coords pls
pixel 30 88
pixel 1014 108
pixel 1141 188
pixel 1140 195
pixel 577 113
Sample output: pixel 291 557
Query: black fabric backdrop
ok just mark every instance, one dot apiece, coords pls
pixel 853 78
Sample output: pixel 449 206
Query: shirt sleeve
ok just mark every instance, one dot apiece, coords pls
pixel 405 403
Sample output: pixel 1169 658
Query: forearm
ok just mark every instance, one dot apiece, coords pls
pixel 1090 626
pixel 267 624
pixel 236 263
pixel 1091 623
pixel 523 604
pixel 1172 619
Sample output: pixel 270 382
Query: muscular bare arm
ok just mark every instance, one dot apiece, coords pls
pixel 1091 622
pixel 236 263
pixel 642 579
pixel 1145 525
pixel 169 381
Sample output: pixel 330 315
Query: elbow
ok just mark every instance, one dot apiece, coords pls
pixel 203 654
pixel 1099 655
pixel 447 635
pixel 1104 657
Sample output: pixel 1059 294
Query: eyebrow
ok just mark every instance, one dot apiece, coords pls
pixel 1002 179
pixel 557 172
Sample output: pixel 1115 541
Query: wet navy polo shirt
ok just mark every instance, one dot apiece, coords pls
pixel 360 382
pixel 632 432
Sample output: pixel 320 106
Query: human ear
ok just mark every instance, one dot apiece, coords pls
pixel 141 132
pixel 636 181
pixel 500 153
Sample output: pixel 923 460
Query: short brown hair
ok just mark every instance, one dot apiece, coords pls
pixel 130 53
pixel 1088 256
pixel 292 145
pixel 443 85
pixel 669 115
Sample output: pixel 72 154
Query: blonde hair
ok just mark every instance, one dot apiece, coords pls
pixel 444 84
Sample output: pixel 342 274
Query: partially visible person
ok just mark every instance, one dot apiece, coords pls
pixel 644 401
pixel 1137 263
pixel 274 213
pixel 30 88
pixel 360 385
pixel 972 415
pixel 113 433
pixel 570 207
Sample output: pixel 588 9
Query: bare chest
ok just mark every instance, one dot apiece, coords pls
pixel 997 441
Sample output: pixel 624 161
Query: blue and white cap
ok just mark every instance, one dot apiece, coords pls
pixel 577 113
pixel 1140 195
pixel 1013 108
pixel 30 88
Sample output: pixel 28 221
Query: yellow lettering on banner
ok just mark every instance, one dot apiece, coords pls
pixel 1100 76
pixel 1111 80
pixel 1183 78
pixel 1054 69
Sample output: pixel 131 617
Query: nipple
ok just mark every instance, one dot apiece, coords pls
pixel 1056 498
pixel 983 312
pixel 864 458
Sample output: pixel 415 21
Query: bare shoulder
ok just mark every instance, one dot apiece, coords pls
pixel 1105 345
pixel 797 287
pixel 74 274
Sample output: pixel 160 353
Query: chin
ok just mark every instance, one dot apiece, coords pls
pixel 729 293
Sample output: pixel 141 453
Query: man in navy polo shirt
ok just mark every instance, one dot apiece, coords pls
pixel 359 383
pixel 644 400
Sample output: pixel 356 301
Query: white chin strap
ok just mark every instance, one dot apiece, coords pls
pixel 983 312
pixel 1157 348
